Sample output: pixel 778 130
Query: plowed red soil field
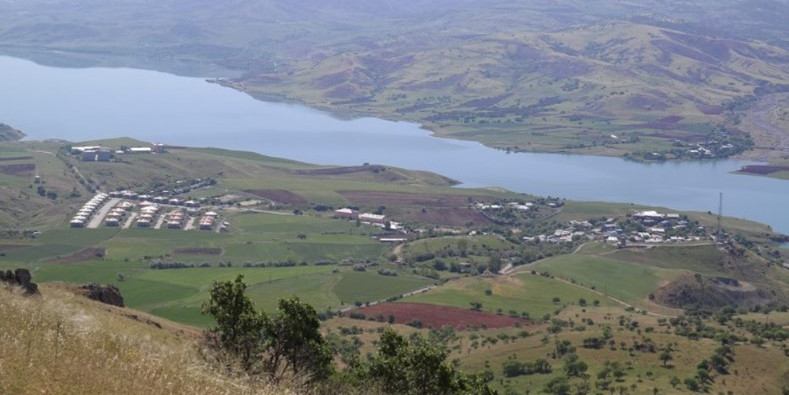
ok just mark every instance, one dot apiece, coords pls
pixel 440 316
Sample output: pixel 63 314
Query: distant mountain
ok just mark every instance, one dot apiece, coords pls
pixel 582 85
pixel 587 76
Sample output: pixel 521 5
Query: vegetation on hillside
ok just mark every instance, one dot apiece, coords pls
pixel 62 343
pixel 523 292
pixel 288 344
pixel 651 80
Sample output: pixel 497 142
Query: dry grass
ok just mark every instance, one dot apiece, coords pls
pixel 61 343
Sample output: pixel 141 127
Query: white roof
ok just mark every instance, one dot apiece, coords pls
pixel 650 213
pixel 371 216
pixel 86 148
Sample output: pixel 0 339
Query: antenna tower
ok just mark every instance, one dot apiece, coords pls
pixel 720 212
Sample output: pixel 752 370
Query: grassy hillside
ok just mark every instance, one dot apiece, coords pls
pixel 283 238
pixel 611 88
pixel 61 343
pixel 662 77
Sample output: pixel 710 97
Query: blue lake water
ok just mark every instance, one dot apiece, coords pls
pixel 83 104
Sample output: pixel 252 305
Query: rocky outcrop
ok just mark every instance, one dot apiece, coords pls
pixel 21 278
pixel 697 291
pixel 107 294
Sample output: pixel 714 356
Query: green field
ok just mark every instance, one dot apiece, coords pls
pixel 520 293
pixel 628 282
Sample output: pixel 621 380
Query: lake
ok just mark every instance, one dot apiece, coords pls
pixel 93 103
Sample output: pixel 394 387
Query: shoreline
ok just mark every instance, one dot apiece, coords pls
pixel 687 185
pixel 347 115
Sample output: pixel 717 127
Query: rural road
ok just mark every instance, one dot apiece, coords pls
pixel 418 291
pixel 95 222
pixel 130 221
pixel 160 221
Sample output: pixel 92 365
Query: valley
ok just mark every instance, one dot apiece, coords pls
pixel 480 256
pixel 373 197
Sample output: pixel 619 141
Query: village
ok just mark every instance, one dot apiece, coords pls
pixel 640 228
pixel 161 208
pixel 126 209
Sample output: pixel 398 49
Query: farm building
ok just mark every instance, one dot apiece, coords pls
pixel 86 148
pixel 372 218
pixel 346 213
pixel 100 155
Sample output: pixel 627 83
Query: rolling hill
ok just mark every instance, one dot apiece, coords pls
pixel 590 77
pixel 608 88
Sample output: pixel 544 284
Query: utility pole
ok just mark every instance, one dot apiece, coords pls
pixel 720 214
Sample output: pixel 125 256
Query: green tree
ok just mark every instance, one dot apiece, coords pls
pixel 558 386
pixel 665 356
pixel 576 368
pixel 692 384
pixel 239 326
pixel 294 343
pixel 703 376
pixel 417 367
pixel 719 363
pixel 512 368
pixel 542 366
pixel 287 342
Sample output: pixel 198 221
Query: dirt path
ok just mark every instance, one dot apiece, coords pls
pixel 609 297
pixel 130 221
pixel 95 222
pixel 159 222
pixel 405 295
pixel 523 268
pixel 190 224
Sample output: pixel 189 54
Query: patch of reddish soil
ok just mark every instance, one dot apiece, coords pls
pixel 449 217
pixel 762 169
pixel 709 109
pixel 9 247
pixel 448 210
pixel 198 251
pixel 377 171
pixel 398 199
pixel 679 135
pixel 11 158
pixel 86 254
pixel 26 169
pixel 278 195
pixel 441 316
pixel 336 171
pixel 667 123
